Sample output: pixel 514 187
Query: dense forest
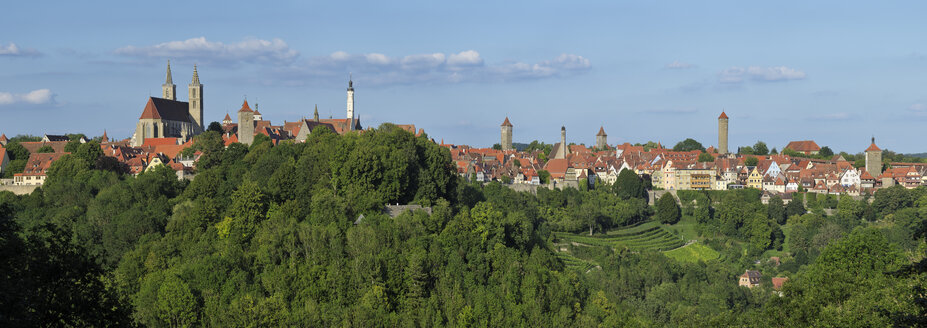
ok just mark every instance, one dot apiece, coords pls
pixel 294 234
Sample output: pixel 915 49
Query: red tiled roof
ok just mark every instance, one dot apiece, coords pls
pixel 777 282
pixel 803 146
pixel 227 117
pixel 33 146
pixel 38 163
pixel 3 137
pixel 245 107
pixel 873 147
pixel 723 115
pixel 506 122
pixel 601 132
pixel 159 141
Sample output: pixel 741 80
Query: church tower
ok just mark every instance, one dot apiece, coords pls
pixel 245 124
pixel 506 135
pixel 601 139
pixel 196 101
pixel 722 133
pixel 168 89
pixel 874 160
pixel 315 116
pixel 351 103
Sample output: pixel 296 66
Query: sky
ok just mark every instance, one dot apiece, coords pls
pixel 835 72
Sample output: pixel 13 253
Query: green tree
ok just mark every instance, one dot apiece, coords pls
pixel 705 157
pixel 688 145
pixel 751 161
pixel 760 148
pixel 826 152
pixel 176 304
pixel 668 211
pixel 17 151
pixel 629 185
pixel 795 207
pixel 215 127
pixel 45 149
pixel 746 150
pixel 776 209
pixel 89 152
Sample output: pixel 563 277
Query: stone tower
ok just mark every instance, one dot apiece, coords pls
pixel 315 116
pixel 168 89
pixel 874 160
pixel 564 149
pixel 245 124
pixel 722 133
pixel 601 139
pixel 195 101
pixel 351 102
pixel 507 135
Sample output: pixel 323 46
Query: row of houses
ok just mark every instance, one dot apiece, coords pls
pixel 683 170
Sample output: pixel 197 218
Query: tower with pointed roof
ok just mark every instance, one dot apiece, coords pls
pixel 507 135
pixel 245 124
pixel 601 139
pixel 315 116
pixel 196 100
pixel 227 120
pixel 874 159
pixel 351 102
pixel 722 133
pixel 168 89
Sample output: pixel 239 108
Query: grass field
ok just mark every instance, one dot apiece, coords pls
pixel 693 253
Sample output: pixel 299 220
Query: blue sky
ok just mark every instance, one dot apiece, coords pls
pixel 835 72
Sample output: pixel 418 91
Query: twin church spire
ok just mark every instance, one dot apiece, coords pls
pixel 195 94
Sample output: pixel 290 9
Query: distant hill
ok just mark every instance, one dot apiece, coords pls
pixel 918 155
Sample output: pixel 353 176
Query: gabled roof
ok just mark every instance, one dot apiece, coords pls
pixel 3 137
pixel 166 109
pixel 38 163
pixel 227 117
pixel 506 122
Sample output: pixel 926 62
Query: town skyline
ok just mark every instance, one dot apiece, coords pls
pixel 646 72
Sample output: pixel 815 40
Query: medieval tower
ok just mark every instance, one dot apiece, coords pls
pixel 351 103
pixel 507 135
pixel 245 124
pixel 874 160
pixel 195 100
pixel 601 139
pixel 168 89
pixel 722 133
pixel 564 150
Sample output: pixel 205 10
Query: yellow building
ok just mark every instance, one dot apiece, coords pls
pixel 755 180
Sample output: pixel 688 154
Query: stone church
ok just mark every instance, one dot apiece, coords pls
pixel 166 117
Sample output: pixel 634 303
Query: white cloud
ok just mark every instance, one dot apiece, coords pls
pixel 918 107
pixel 200 49
pixel 465 58
pixel 464 66
pixel 13 50
pixel 35 97
pixel 678 65
pixel 757 73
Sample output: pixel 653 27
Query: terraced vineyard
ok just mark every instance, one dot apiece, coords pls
pixel 574 263
pixel 649 236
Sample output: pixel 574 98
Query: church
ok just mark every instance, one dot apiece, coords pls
pixel 166 117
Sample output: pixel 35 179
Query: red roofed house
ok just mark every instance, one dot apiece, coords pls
pixel 166 117
pixel 4 160
pixel 750 279
pixel 778 281
pixel 36 167
pixel 807 147
pixel 3 140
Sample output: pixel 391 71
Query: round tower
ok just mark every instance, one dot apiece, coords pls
pixel 722 133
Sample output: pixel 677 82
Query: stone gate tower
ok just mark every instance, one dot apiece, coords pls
pixel 506 135
pixel 722 133
pixel 874 160
pixel 601 139
pixel 245 124
pixel 168 89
